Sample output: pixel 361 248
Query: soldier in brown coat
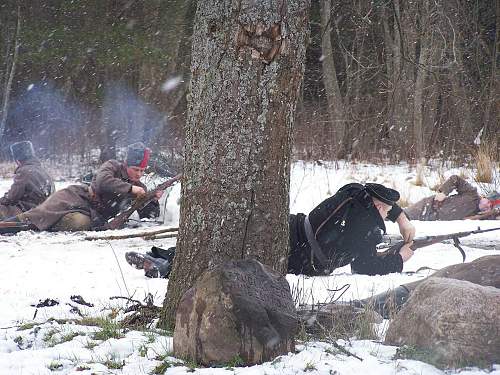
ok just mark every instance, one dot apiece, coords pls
pixel 32 184
pixel 443 206
pixel 81 207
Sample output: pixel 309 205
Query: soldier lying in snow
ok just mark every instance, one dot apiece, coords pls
pixel 82 207
pixel 32 184
pixel 343 229
pixel 443 206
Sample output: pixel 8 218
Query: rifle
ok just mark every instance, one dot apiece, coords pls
pixel 119 220
pixel 13 227
pixel 485 215
pixel 431 240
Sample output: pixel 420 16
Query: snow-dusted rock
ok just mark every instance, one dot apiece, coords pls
pixel 457 321
pixel 238 310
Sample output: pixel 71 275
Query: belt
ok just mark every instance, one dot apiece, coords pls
pixel 315 248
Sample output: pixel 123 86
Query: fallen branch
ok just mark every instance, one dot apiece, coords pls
pixel 133 235
pixel 157 237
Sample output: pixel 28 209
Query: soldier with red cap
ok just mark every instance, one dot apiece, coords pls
pixel 82 207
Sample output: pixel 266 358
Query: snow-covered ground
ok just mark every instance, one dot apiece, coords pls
pixel 37 266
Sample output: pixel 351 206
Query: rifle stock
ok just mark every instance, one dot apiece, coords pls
pixel 431 240
pixel 13 227
pixel 119 220
pixel 485 215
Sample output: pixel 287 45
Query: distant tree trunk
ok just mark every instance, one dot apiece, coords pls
pixel 333 95
pixel 170 26
pixel 247 67
pixel 9 77
pixel 494 84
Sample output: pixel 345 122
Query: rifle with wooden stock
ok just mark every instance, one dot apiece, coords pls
pixel 490 214
pixel 431 240
pixel 119 220
pixel 13 227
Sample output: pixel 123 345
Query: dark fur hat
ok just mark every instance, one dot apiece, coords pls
pixel 138 155
pixel 22 150
pixel 382 193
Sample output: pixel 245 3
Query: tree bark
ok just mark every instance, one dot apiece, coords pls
pixel 494 85
pixel 333 95
pixel 247 67
pixel 10 76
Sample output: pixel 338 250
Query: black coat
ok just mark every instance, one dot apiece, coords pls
pixel 348 236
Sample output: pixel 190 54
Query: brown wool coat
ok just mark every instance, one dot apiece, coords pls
pixel 111 185
pixel 454 207
pixel 32 185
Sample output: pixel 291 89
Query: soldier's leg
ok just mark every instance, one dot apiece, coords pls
pixel 74 221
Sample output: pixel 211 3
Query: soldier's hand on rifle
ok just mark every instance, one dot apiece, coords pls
pixel 439 197
pixel 406 252
pixel 406 228
pixel 138 191
pixel 158 194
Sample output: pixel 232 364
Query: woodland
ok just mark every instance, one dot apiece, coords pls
pixel 384 79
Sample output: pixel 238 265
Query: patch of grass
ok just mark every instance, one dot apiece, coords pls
pixel 55 366
pixel 236 361
pixel 485 163
pixel 91 345
pixel 150 337
pixel 52 338
pixel 310 367
pixel 418 354
pixel 143 350
pixel 109 329
pixel 26 326
pixel 162 367
pixel 191 364
pixel 114 365
pixel 419 178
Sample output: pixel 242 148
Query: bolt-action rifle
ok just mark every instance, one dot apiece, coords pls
pixel 119 220
pixel 13 227
pixel 431 240
pixel 490 214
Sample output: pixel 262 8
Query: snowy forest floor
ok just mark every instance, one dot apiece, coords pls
pixel 87 340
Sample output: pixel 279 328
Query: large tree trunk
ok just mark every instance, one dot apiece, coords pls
pixel 247 68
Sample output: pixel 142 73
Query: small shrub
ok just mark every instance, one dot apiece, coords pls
pixel 485 163
pixel 54 366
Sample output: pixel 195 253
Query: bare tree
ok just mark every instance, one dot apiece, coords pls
pixel 10 75
pixel 333 95
pixel 247 67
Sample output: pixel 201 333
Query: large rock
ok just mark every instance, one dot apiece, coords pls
pixel 457 321
pixel 482 271
pixel 241 309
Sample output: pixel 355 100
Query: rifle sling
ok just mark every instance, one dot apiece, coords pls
pixel 456 243
pixel 313 243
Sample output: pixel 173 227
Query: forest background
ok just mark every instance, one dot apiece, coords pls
pixel 385 79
